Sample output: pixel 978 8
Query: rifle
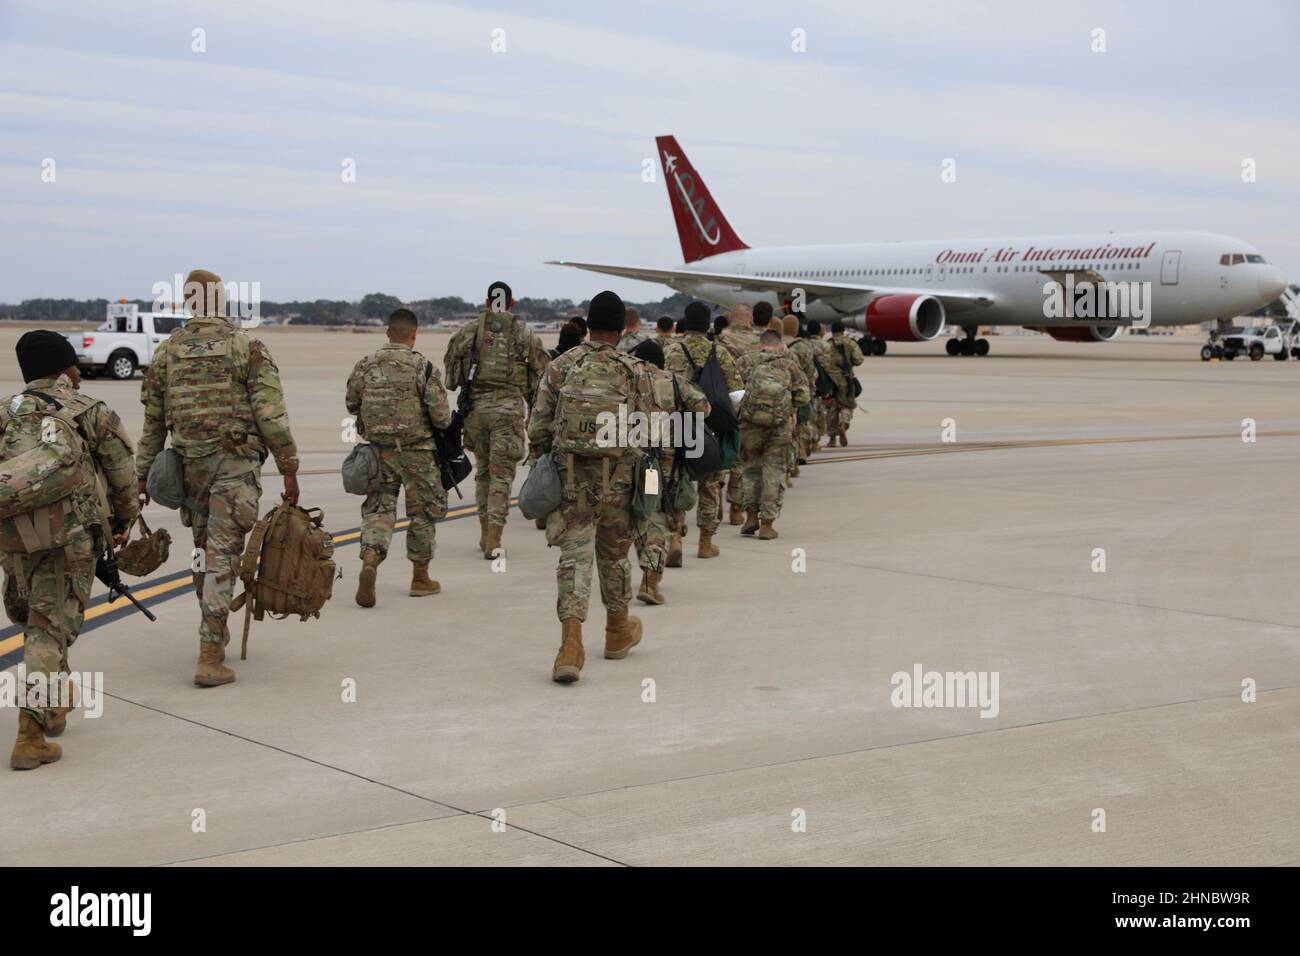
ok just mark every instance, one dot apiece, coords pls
pixel 106 571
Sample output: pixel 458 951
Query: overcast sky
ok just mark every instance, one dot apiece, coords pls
pixel 473 165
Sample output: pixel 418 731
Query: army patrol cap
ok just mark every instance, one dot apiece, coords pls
pixel 42 353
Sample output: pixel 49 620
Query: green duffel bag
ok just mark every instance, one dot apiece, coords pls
pixel 166 482
pixel 542 489
pixel 361 470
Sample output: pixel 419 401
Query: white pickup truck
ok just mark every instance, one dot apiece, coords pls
pixel 126 341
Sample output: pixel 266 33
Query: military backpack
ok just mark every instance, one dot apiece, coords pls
pixel 392 407
pixel 48 474
pixel 288 566
pixel 767 393
pixel 595 388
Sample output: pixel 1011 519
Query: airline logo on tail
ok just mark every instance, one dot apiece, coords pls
pixel 701 228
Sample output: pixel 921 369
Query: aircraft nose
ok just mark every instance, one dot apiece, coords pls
pixel 1271 282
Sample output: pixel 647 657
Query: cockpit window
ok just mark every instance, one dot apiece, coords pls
pixel 1255 258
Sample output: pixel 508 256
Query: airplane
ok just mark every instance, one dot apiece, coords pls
pixel 909 291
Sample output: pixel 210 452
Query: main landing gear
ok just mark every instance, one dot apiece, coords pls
pixel 970 345
pixel 871 345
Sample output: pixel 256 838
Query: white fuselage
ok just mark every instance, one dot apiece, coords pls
pixel 1193 276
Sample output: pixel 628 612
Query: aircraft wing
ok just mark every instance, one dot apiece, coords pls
pixel 953 300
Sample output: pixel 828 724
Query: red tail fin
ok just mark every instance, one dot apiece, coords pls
pixel 701 226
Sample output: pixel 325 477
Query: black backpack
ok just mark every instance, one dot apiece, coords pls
pixel 722 418
pixel 453 464
pixel 825 385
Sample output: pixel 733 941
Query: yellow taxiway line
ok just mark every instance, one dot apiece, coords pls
pixel 10 644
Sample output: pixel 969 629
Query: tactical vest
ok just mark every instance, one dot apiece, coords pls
pixel 587 406
pixel 208 409
pixel 392 398
pixel 767 393
pixel 501 364
pixel 50 490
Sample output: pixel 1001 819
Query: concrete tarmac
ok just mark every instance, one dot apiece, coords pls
pixel 754 724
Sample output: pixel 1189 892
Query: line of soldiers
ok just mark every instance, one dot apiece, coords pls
pixel 215 392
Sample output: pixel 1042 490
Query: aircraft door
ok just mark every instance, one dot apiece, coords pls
pixel 1169 267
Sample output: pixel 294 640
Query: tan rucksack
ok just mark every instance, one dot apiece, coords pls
pixel 288 566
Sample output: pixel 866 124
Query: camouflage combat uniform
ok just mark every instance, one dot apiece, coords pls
pixel 843 352
pixel 765 445
pixel 652 545
pixel 46 588
pixel 217 392
pixel 500 393
pixel 803 350
pixel 739 340
pixel 397 397
pixel 630 340
pixel 822 407
pixel 595 511
pixel 708 513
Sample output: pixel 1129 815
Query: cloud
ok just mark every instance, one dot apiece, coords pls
pixel 473 164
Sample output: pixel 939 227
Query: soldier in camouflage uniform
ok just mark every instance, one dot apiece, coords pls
pixel 789 338
pixel 501 362
pixel 215 389
pixel 691 354
pixel 664 335
pixel 774 387
pixel 843 358
pixel 398 400
pixel 632 335
pixel 822 356
pixel 741 336
pixel 652 543
pixel 802 348
pixel 49 551
pixel 579 389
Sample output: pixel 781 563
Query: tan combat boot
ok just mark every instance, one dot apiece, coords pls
pixel 211 672
pixel 56 718
pixel 482 531
pixel 421 584
pixel 751 521
pixel 707 548
pixel 734 516
pixel 492 544
pixel 649 592
pixel 31 749
pixel 370 561
pixel 766 532
pixel 675 551
pixel 622 633
pixel 568 663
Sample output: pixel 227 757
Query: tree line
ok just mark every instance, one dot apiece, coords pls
pixel 373 307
